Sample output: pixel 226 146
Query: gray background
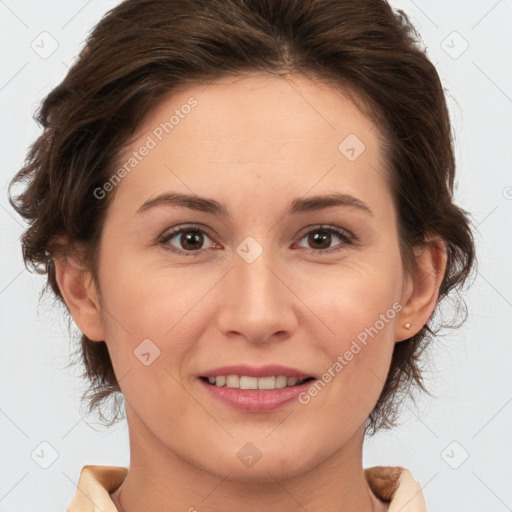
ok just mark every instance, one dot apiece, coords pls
pixel 457 444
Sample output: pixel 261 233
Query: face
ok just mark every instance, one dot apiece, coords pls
pixel 255 272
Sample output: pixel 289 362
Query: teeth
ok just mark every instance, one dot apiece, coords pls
pixel 281 382
pixel 232 381
pixel 246 382
pixel 267 383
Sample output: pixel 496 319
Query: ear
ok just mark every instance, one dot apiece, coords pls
pixel 421 290
pixel 80 295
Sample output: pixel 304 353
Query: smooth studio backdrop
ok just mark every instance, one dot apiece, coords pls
pixel 457 444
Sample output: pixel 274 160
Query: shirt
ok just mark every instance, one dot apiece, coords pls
pixel 392 484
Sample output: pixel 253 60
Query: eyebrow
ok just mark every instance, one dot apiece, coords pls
pixel 299 205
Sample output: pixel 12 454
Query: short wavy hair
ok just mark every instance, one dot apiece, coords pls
pixel 143 50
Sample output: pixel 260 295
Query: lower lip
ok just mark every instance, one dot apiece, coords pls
pixel 251 400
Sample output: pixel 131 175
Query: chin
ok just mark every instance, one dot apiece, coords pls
pixel 249 464
pixel 266 472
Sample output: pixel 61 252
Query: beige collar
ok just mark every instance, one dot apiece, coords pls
pixel 393 484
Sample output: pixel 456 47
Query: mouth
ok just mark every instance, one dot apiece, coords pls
pixel 246 382
pixel 255 394
pixel 255 389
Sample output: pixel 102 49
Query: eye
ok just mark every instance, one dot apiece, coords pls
pixel 190 240
pixel 321 238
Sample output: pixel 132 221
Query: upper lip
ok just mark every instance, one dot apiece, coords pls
pixel 270 370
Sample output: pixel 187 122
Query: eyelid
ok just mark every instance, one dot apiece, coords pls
pixel 326 227
pixel 170 233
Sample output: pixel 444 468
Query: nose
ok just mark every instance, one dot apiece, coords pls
pixel 258 303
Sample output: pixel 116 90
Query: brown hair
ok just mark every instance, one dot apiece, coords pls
pixel 145 49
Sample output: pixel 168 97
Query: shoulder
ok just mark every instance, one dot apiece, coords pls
pixel 396 485
pixel 94 487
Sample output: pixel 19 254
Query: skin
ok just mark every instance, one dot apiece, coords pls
pixel 254 143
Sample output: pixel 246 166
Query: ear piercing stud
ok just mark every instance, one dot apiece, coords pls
pixel 407 325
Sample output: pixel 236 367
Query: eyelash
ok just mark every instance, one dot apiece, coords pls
pixel 347 239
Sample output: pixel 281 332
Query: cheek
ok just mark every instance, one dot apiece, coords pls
pixel 154 317
pixel 146 316
pixel 361 309
pixel 364 341
pixel 355 302
pixel 148 301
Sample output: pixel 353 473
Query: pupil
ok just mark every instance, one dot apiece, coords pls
pixel 315 239
pixel 190 238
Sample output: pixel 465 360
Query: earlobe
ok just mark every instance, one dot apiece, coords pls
pixel 80 295
pixel 421 290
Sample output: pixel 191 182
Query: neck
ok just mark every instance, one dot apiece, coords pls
pixel 159 479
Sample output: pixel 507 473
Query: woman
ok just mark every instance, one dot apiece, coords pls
pixel 246 207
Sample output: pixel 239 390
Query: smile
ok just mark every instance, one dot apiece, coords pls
pixel 254 383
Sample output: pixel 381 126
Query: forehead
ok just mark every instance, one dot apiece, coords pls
pixel 291 133
pixel 255 108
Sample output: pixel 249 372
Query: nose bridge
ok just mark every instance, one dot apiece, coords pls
pixel 257 303
pixel 255 280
